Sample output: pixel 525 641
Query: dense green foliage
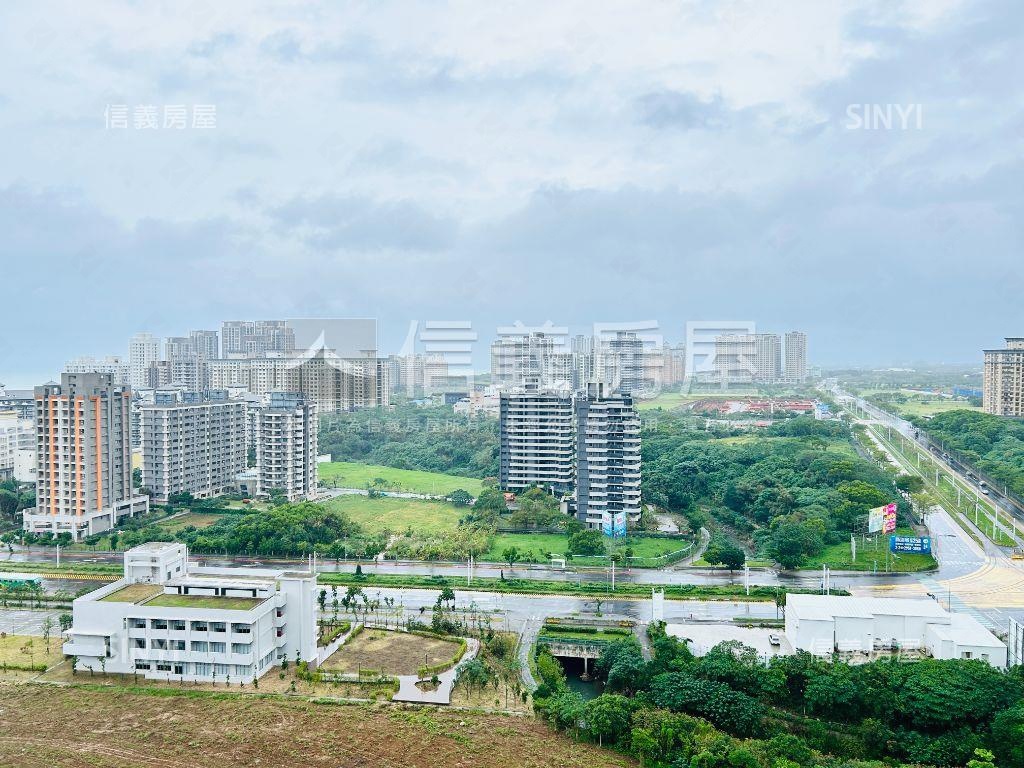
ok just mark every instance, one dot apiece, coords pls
pixel 289 529
pixel 994 444
pixel 435 439
pixel 729 708
pixel 787 494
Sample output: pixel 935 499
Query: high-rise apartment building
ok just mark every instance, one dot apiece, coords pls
pixel 536 442
pixel 1003 379
pixel 584 369
pixel 752 358
pixel 16 434
pixel 83 464
pixel 205 344
pixel 584 448
pixel 192 444
pixel 795 368
pixel 256 338
pixel 607 458
pixel 143 350
pixel 286 446
pixel 515 359
pixel 702 341
pixel 119 368
pixel 621 362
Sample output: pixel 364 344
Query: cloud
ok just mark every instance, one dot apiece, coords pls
pixel 672 109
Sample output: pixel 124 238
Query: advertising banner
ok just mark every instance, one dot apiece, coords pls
pixel 613 524
pixel 889 518
pixel 875 519
pixel 915 545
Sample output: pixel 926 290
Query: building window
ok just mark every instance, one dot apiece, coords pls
pixel 222 669
pixel 242 629
pixel 218 648
pixel 243 670
pixel 241 647
pixel 202 669
pixel 140 642
pixel 218 626
pixel 199 626
pixel 137 623
pixel 200 646
pixel 158 624
pixel 160 645
pixel 142 664
pixel 178 626
pixel 177 645
pixel 163 667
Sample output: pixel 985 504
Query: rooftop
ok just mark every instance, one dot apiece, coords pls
pixel 133 593
pixel 205 601
pixel 828 606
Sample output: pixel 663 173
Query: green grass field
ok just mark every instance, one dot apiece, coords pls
pixel 391 514
pixel 871 554
pixel 198 519
pixel 537 546
pixel 666 400
pixel 347 474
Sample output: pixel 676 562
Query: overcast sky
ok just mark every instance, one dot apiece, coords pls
pixel 572 162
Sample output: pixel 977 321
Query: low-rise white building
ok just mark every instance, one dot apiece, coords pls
pixel 823 624
pixel 167 621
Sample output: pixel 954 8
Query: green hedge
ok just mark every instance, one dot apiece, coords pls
pixel 435 668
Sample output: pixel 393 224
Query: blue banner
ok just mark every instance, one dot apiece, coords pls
pixel 915 545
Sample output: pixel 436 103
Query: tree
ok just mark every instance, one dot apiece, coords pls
pixel 725 552
pixel 8 502
pixel 586 542
pixel 1008 736
pixel 510 555
pixel 643 744
pixel 982 759
pixel 460 498
pixel 607 717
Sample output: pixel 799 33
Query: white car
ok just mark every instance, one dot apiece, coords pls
pixel 774 639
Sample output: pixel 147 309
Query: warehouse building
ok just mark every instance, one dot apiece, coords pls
pixel 823 624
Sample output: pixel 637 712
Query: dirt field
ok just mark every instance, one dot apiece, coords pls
pixel 394 653
pixel 119 729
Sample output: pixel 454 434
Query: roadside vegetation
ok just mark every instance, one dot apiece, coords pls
pixel 729 709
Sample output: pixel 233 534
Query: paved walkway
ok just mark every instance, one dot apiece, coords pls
pixel 408 691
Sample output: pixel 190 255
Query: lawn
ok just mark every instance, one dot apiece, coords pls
pixel 537 546
pixel 534 547
pixel 347 474
pixel 205 601
pixel 167 726
pixel 26 650
pixel 198 519
pixel 666 400
pixel 837 556
pixel 133 593
pixel 390 653
pixel 393 514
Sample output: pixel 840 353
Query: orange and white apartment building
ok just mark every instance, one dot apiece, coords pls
pixel 83 457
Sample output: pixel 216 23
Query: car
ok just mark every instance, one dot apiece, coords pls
pixel 774 639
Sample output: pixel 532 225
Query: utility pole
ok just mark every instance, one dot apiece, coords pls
pixel 853 548
pixel 613 575
pixel 746 577
pixel 58 555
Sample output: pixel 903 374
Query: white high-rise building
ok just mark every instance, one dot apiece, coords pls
pixel 119 368
pixel 795 369
pixel 143 350
pixel 607 458
pixel 537 445
pixel 1003 379
pixel 286 446
pixel 83 463
pixel 701 339
pixel 17 435
pixel 751 358
pixel 192 445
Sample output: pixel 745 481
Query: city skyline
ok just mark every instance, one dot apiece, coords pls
pixel 467 163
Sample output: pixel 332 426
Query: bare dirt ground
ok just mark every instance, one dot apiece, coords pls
pixel 174 729
pixel 394 653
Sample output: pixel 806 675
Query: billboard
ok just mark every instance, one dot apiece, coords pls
pixel 916 545
pixel 875 519
pixel 889 518
pixel 613 524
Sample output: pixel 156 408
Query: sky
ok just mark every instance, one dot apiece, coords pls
pixel 571 162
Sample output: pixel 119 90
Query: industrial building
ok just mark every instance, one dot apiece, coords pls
pixel 167 621
pixel 823 625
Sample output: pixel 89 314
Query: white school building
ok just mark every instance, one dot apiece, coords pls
pixel 823 624
pixel 168 621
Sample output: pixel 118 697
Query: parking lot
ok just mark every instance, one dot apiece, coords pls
pixel 18 621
